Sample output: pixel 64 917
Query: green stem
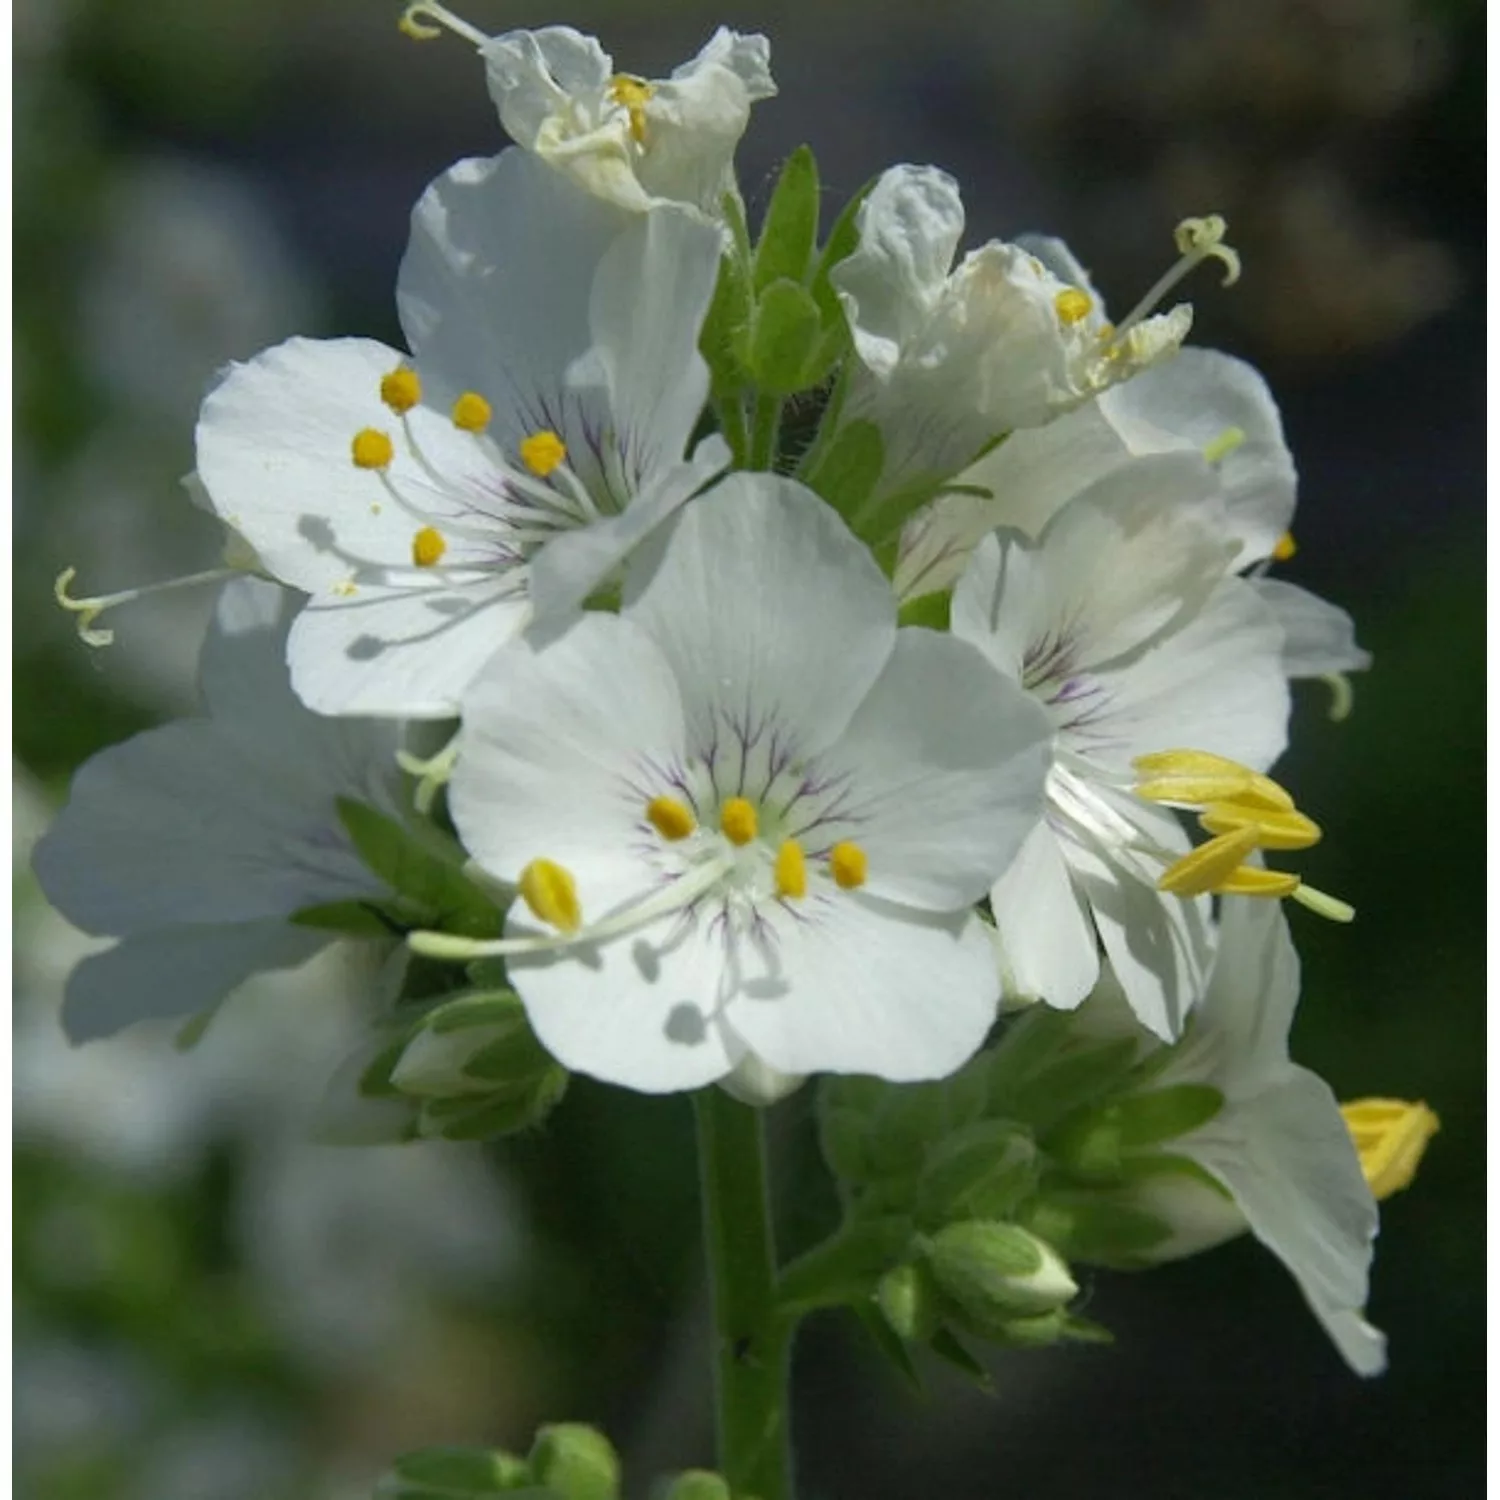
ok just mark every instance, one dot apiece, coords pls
pixel 752 1344
pixel 731 414
pixel 765 432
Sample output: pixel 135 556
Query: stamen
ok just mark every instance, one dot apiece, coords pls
pixel 849 864
pixel 1191 778
pixel 1343 696
pixel 1256 880
pixel 1203 870
pixel 1073 305
pixel 471 412
pixel 413 18
pixel 633 94
pixel 401 389
pixel 1391 1136
pixel 88 610
pixel 550 892
pixel 739 821
pixel 427 547
pixel 791 870
pixel 1286 547
pixel 1273 830
pixel 1322 904
pixel 371 449
pixel 1197 240
pixel 542 452
pixel 672 819
pixel 1226 443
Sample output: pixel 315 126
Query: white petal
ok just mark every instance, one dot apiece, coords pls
pixel 640 1010
pixel 176 971
pixel 274 457
pixel 1319 635
pixel 410 652
pixel 946 762
pixel 764 603
pixel 1000 600
pixel 861 986
pixel 561 750
pixel 1358 1340
pixel 1217 684
pixel 574 563
pixel 1047 939
pixel 532 75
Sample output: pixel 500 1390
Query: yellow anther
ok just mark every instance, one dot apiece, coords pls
pixel 1227 442
pixel 791 870
pixel 1391 1136
pixel 401 389
pixel 345 588
pixel 633 94
pixel 1273 829
pixel 427 547
pixel 1256 880
pixel 371 449
pixel 670 818
pixel 471 412
pixel 1203 239
pixel 1192 778
pixel 1204 869
pixel 1072 305
pixel 542 452
pixel 1286 547
pixel 739 821
pixel 850 865
pixel 549 891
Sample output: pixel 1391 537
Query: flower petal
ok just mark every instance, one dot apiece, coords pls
pixel 1319 636
pixel 763 603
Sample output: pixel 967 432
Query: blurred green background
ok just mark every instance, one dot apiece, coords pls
pixel 209 1307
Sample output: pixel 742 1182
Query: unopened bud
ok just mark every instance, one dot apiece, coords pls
pixel 575 1462
pixel 994 1273
pixel 909 1302
pixel 697 1484
pixel 455 1472
pixel 979 1172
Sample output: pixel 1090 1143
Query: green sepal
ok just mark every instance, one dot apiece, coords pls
pixel 1096 1228
pixel 872 1129
pixel 721 339
pixel 456 1473
pixel 375 1079
pixel 889 1343
pixel 948 1348
pixel 1080 1075
pixel 843 240
pixel 932 611
pixel 783 337
pixel 350 918
pixel 1096 1142
pixel 850 467
pixel 406 860
pixel 193 1030
pixel 789 234
pixel 1149 1166
pixel 488 1119
pixel 982 1171
pixel 846 1267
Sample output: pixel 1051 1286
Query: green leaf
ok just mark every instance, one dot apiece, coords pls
pixel 850 468
pixel 790 231
pixel 725 329
pixel 784 334
pixel 843 240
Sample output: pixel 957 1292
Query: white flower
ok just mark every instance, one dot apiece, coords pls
pixel 951 359
pixel 1278 1145
pixel 756 814
pixel 1120 621
pixel 535 436
pixel 631 141
pixel 1199 401
pixel 194 843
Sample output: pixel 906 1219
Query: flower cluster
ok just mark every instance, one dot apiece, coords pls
pixel 766 748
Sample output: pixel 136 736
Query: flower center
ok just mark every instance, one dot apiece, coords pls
pixel 632 94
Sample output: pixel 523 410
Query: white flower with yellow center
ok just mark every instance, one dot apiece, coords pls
pixel 1279 1146
pixel 950 359
pixel 632 141
pixel 1119 621
pixel 748 817
pixel 433 504
pixel 194 843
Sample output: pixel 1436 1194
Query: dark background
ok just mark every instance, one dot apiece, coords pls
pixel 196 181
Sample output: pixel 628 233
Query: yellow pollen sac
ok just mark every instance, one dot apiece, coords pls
pixel 633 94
pixel 371 449
pixel 1204 869
pixel 1286 547
pixel 739 821
pixel 1273 829
pixel 1391 1136
pixel 427 547
pixel 542 452
pixel 1195 777
pixel 670 818
pixel 1255 880
pixel 791 870
pixel 1227 442
pixel 549 891
pixel 1072 305
pixel 401 389
pixel 850 866
pixel 471 412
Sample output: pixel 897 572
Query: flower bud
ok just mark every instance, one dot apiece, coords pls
pixel 453 1472
pixel 909 1301
pixel 994 1273
pixel 575 1462
pixel 697 1484
pixel 979 1172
